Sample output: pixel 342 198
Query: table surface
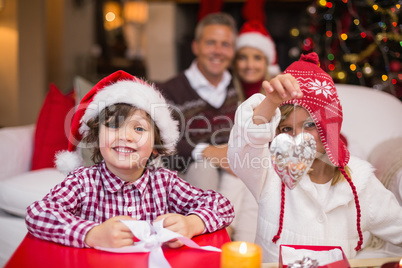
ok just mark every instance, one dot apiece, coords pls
pixel 354 263
pixel 34 252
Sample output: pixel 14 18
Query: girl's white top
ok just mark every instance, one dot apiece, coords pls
pixel 309 218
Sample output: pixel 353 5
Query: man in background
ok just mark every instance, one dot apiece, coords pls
pixel 205 102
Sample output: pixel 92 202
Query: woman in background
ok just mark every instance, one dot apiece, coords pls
pixel 255 59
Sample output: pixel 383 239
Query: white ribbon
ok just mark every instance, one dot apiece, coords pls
pixel 151 239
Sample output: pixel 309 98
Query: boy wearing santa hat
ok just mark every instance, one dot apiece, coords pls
pixel 128 123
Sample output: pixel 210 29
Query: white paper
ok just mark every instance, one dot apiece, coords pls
pixel 324 257
pixel 151 239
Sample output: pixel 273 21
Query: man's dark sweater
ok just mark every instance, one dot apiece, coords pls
pixel 199 121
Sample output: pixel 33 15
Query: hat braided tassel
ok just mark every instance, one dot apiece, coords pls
pixel 359 244
pixel 278 235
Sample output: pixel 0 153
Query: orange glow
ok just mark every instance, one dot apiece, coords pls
pixel 112 15
pixel 344 36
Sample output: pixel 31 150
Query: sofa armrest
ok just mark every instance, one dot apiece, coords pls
pixel 370 117
pixel 16 147
pixel 387 161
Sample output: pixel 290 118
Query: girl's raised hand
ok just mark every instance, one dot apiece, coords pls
pixel 281 88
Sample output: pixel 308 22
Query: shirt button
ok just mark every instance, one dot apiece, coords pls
pixel 130 209
pixel 321 217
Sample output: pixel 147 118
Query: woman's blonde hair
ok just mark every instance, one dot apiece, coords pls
pixel 286 110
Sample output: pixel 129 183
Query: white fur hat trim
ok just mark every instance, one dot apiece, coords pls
pixel 141 96
pixel 259 41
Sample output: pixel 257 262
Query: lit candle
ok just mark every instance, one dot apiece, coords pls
pixel 392 264
pixel 241 255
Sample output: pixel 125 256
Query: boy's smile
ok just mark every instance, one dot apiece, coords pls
pixel 127 148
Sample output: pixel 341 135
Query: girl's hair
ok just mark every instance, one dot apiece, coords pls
pixel 286 110
pixel 115 115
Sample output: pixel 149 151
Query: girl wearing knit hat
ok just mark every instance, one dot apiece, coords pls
pixel 128 123
pixel 255 59
pixel 333 198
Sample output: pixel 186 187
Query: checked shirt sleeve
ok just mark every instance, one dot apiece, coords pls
pixel 53 218
pixel 213 208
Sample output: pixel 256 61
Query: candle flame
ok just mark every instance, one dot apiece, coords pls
pixel 400 263
pixel 243 248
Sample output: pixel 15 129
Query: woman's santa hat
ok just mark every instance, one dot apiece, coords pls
pixel 254 34
pixel 119 87
pixel 321 100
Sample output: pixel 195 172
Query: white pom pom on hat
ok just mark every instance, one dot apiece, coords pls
pixel 119 87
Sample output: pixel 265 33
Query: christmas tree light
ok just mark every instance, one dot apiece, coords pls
pixel 358 41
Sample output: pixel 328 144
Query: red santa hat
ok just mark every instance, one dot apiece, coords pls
pixel 119 87
pixel 321 100
pixel 254 34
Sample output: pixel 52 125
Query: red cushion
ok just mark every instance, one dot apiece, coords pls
pixel 50 135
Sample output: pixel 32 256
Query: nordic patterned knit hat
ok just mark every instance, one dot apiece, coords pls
pixel 254 34
pixel 119 87
pixel 321 100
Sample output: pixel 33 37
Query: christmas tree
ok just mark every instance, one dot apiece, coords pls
pixel 358 41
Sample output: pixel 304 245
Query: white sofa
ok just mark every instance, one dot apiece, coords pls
pixel 371 118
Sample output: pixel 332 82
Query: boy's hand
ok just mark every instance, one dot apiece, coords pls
pixel 111 234
pixel 187 226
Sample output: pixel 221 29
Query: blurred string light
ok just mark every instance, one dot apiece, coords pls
pixel 322 3
pixel 352 37
pixel 294 32
pixel 368 69
pixel 112 13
